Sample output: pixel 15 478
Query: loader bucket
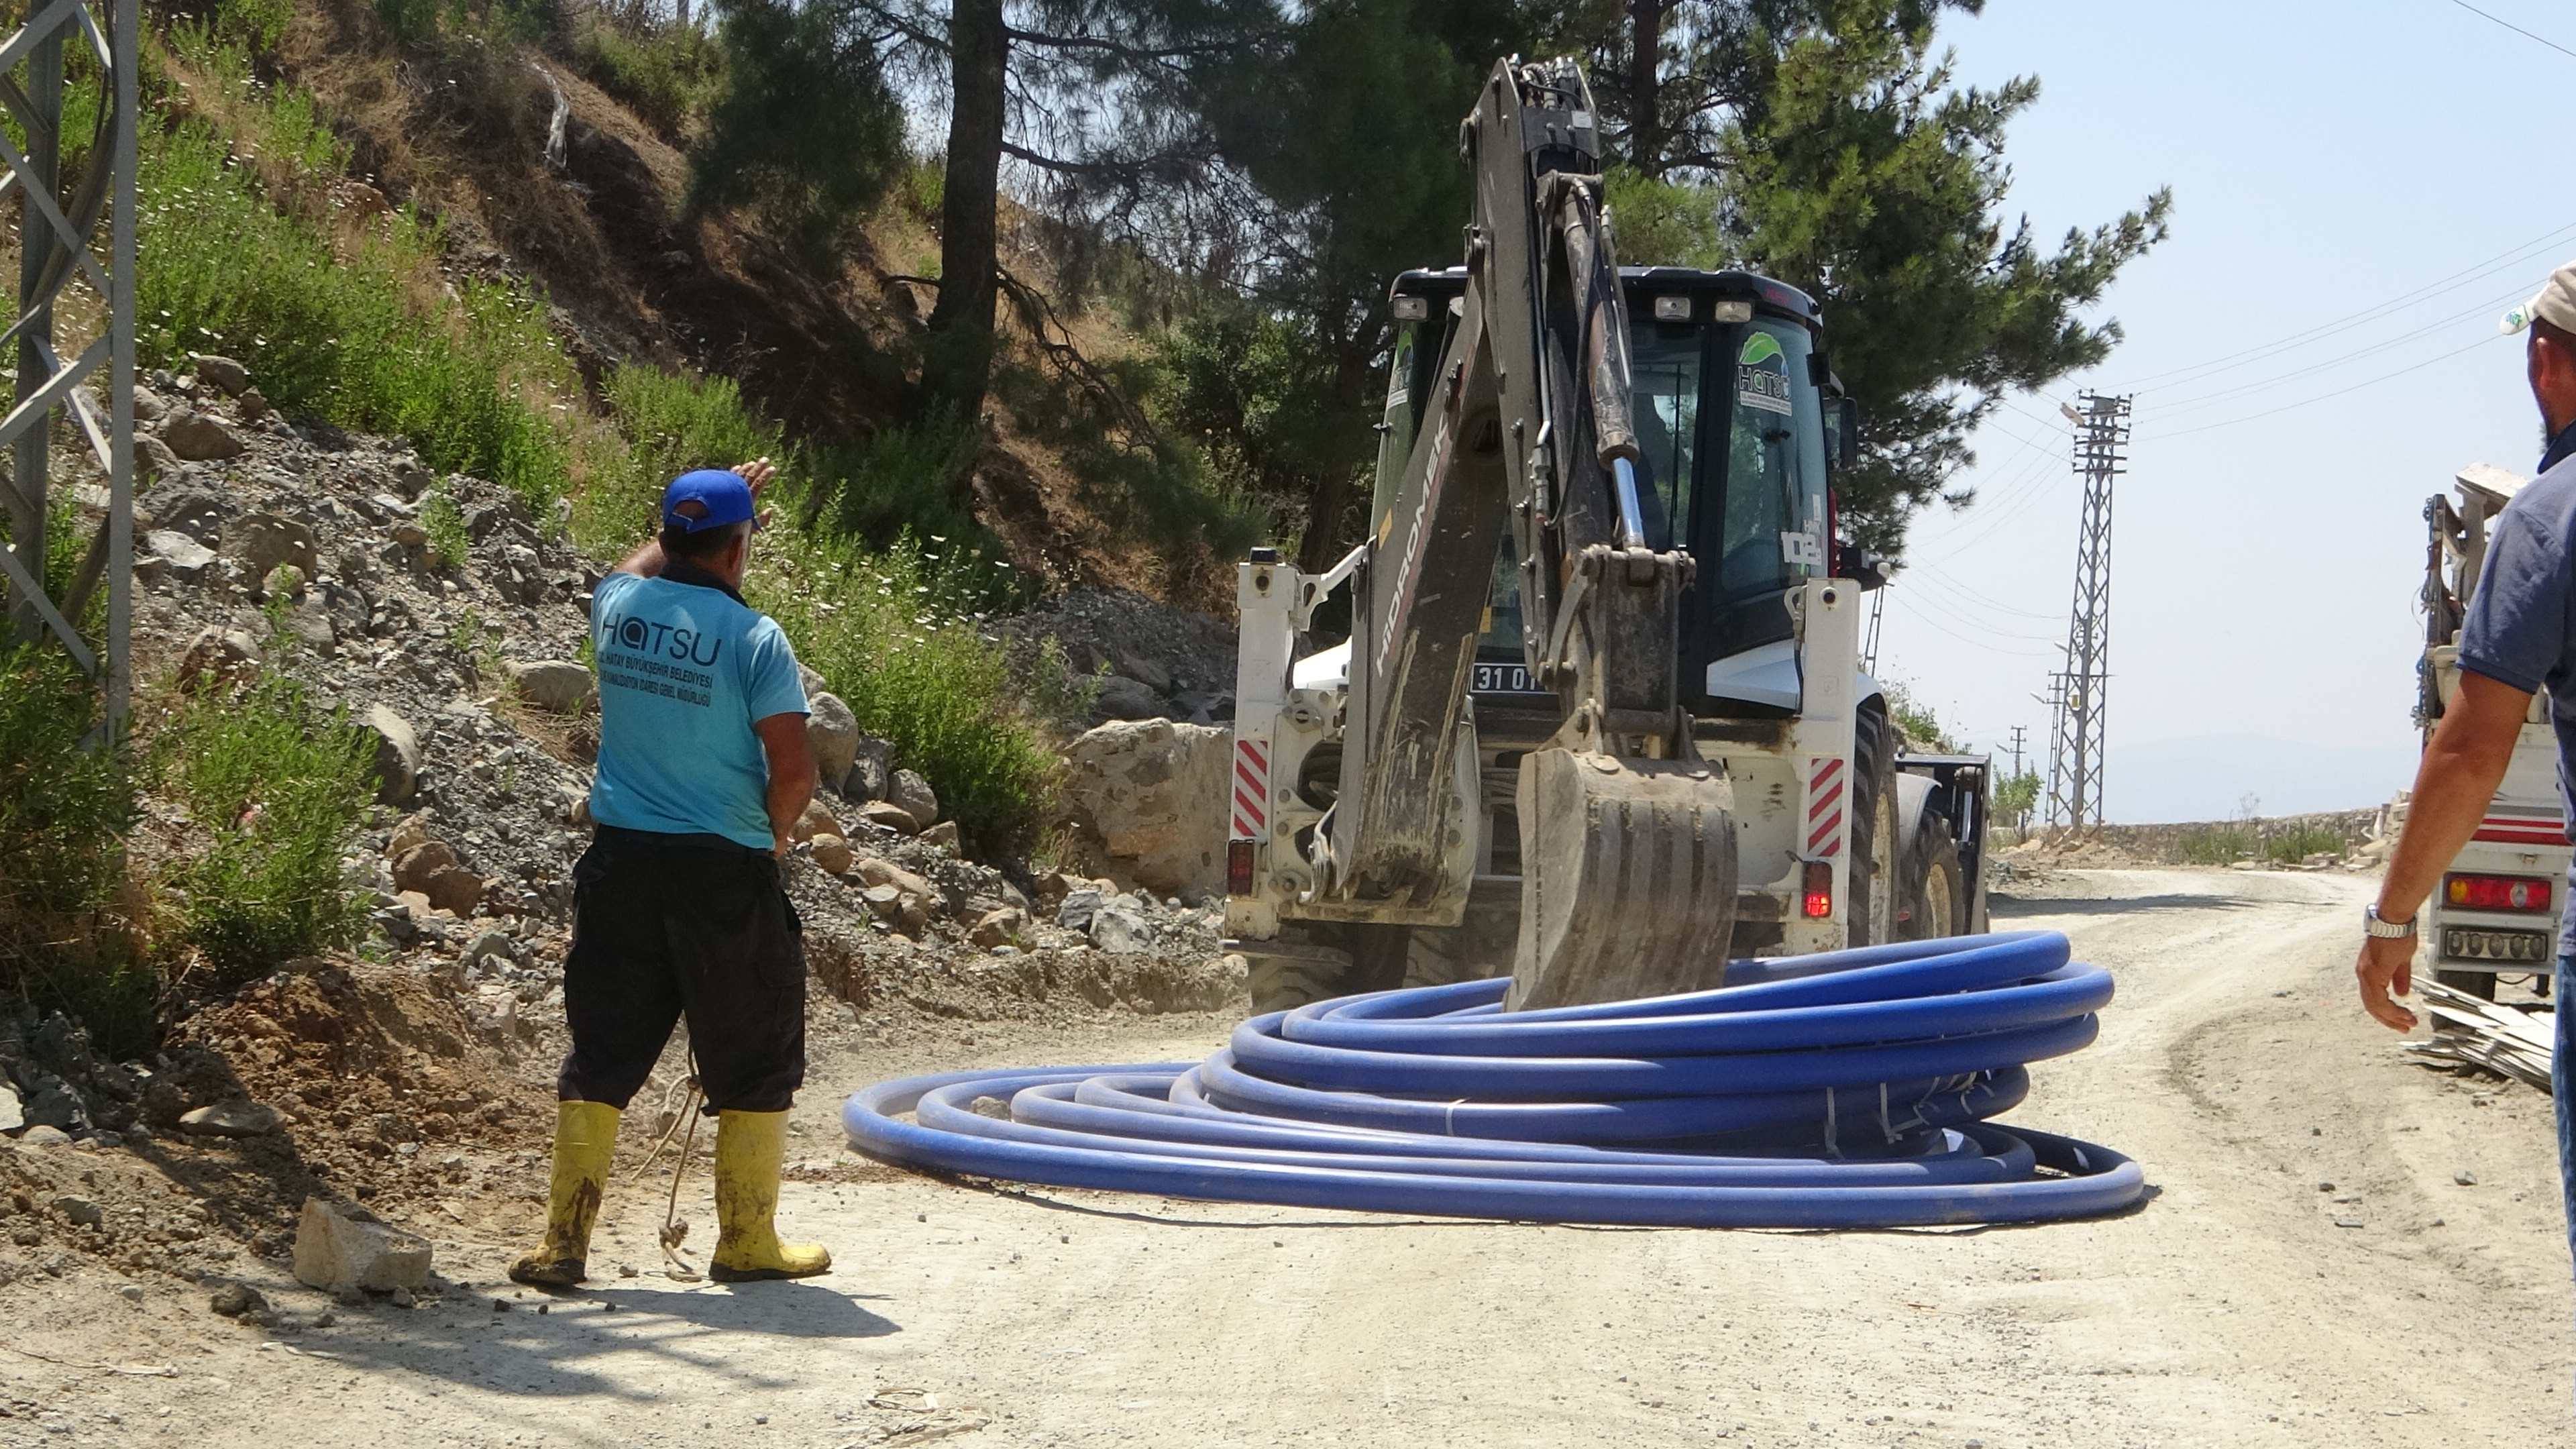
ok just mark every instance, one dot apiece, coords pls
pixel 1627 878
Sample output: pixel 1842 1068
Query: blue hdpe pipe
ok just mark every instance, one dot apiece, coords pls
pixel 1845 1090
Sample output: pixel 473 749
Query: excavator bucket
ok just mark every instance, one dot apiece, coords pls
pixel 1627 878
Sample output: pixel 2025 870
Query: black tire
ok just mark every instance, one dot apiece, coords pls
pixel 1936 897
pixel 2480 984
pixel 1871 911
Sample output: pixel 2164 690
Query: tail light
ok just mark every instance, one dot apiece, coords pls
pixel 1238 867
pixel 2496 892
pixel 1819 892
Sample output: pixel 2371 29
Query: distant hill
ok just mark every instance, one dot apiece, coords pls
pixel 2207 777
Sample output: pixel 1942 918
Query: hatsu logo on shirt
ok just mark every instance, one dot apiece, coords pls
pixel 654 639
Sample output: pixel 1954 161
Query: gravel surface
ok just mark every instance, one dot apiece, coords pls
pixel 2232 1309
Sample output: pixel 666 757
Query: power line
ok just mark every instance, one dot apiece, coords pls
pixel 2516 29
pixel 2323 396
pixel 2415 295
pixel 2200 401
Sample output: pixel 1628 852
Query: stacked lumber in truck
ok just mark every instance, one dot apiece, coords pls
pixel 2471 1031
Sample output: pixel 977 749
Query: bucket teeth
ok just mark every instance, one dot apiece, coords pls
pixel 1628 878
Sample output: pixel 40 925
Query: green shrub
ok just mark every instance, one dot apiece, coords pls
pixel 278 785
pixel 900 480
pixel 2216 845
pixel 804 130
pixel 666 425
pixel 353 335
pixel 64 807
pixel 892 636
pixel 444 522
pixel 2299 841
pixel 665 75
pixel 66 803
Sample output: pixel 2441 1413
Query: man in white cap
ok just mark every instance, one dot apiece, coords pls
pixel 2519 637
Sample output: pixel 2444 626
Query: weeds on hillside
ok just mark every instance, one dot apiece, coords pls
pixel 893 636
pixel 278 784
pixel 900 480
pixel 444 522
pixel 337 322
pixel 68 937
pixel 665 74
pixel 666 426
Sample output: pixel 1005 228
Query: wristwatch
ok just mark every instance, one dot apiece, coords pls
pixel 2373 924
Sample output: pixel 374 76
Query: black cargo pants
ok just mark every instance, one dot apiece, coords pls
pixel 666 926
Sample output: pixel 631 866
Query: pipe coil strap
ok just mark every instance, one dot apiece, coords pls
pixel 1845 1090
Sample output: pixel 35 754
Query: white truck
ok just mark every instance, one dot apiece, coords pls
pixel 1595 715
pixel 2497 910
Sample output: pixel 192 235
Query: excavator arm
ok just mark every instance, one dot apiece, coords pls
pixel 1627 845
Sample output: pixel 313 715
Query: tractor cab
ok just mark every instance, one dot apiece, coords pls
pixel 1733 411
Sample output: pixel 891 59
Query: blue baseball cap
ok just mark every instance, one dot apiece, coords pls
pixel 724 496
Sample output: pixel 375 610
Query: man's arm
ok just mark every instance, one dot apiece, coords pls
pixel 2461 769
pixel 791 775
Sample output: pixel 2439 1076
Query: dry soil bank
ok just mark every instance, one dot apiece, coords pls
pixel 2247 1304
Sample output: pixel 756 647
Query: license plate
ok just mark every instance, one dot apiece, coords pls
pixel 2460 943
pixel 1503 679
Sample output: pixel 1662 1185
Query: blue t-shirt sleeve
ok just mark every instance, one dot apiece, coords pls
pixel 770 682
pixel 2516 630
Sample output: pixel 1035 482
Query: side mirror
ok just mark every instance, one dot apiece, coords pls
pixel 1846 432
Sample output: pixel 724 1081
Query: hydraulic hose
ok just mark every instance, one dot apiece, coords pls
pixel 1843 1090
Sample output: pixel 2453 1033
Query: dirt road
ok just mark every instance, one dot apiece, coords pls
pixel 2250 1303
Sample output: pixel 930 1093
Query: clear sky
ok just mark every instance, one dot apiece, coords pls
pixel 2360 191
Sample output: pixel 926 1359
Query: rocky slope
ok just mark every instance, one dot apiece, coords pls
pixel 416 1069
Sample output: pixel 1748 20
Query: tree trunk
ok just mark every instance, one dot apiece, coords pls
pixel 957 359
pixel 1645 101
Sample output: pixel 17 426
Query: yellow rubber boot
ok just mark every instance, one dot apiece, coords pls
pixel 750 1147
pixel 585 1137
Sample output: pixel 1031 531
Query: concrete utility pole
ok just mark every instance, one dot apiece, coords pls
pixel 2075 755
pixel 58 217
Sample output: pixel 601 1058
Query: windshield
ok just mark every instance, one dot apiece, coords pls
pixel 1756 520
pixel 1771 531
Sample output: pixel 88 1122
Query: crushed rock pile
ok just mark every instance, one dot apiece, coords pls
pixel 1160 662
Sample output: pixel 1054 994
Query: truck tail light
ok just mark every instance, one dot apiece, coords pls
pixel 1818 897
pixel 1238 867
pixel 2496 892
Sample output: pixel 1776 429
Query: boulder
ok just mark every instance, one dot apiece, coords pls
pixel 912 794
pixel 397 760
pixel 193 437
pixel 186 558
pixel 432 870
pixel 832 733
pixel 196 512
pixel 259 542
pixel 414 830
pixel 557 686
pixel 871 771
pixel 310 624
pixel 1121 928
pixel 1146 672
pixel 228 377
pixel 1145 804
pixel 943 836
pixel 236 1118
pixel 232 1300
pixel 817 820
pixel 12 1117
pixel 343 1248
pixel 1000 927
pixel 877 872
pixel 1124 698
pixel 285 581
pixel 833 853
pixel 153 458
pixel 1075 911
pixel 892 817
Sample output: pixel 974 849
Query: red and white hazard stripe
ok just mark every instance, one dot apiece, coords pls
pixel 2508 826
pixel 1251 788
pixel 1825 790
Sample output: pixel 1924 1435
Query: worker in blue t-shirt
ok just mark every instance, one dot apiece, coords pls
pixel 678 910
pixel 2519 638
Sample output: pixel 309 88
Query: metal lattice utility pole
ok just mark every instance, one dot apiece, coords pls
pixel 58 217
pixel 2075 758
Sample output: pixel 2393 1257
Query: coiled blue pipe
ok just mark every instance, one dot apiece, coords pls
pixel 1842 1090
